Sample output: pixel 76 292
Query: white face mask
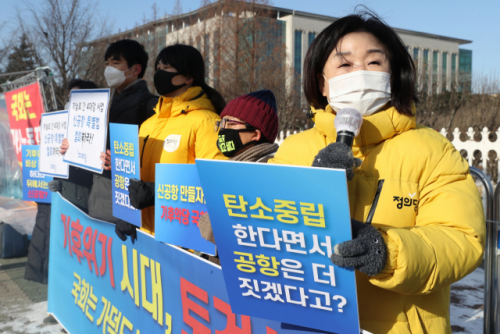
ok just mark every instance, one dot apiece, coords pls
pixel 115 77
pixel 366 91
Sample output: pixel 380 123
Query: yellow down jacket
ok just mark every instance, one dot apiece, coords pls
pixel 429 213
pixel 181 130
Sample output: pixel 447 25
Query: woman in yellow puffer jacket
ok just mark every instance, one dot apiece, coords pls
pixel 182 128
pixel 429 214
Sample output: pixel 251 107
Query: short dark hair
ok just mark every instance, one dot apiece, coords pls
pixel 132 51
pixel 403 93
pixel 82 84
pixel 187 60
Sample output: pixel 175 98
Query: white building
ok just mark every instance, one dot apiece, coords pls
pixel 440 62
pixel 437 57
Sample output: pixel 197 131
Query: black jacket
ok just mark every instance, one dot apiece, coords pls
pixel 134 105
pixel 76 188
pixel 37 267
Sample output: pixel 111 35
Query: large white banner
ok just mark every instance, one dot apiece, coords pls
pixel 54 128
pixel 87 127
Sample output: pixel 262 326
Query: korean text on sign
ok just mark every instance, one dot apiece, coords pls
pixel 115 286
pixel 124 166
pixel 179 197
pixel 54 127
pixel 87 128
pixel 25 107
pixel 35 184
pixel 275 235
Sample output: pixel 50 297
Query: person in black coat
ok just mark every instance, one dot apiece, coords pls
pixel 131 103
pixel 75 189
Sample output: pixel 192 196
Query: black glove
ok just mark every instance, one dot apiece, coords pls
pixel 337 155
pixel 366 252
pixel 122 229
pixel 141 194
pixel 55 186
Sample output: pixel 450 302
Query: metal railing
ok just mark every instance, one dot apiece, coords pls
pixel 492 208
pixel 42 75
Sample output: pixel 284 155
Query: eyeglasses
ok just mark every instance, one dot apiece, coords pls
pixel 225 123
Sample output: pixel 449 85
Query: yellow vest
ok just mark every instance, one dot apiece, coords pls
pixel 429 213
pixel 182 130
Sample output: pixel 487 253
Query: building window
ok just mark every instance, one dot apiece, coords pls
pixel 216 53
pixel 425 70
pixel 206 50
pixel 453 70
pixel 444 68
pixel 415 55
pixel 435 69
pixel 312 36
pixel 464 69
pixel 298 52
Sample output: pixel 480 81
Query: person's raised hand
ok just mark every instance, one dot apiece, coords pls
pixel 206 228
pixel 106 160
pixel 141 194
pixel 64 146
pixel 339 156
pixel 366 252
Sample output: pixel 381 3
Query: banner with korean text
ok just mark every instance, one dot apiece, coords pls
pixel 87 128
pixel 25 106
pixel 125 165
pixel 98 283
pixel 275 227
pixel 35 184
pixel 54 128
pixel 179 203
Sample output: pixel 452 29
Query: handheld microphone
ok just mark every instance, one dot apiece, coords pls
pixel 347 123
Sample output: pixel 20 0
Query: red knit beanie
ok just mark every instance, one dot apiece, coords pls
pixel 257 109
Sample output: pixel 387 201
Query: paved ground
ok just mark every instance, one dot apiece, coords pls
pixel 23 304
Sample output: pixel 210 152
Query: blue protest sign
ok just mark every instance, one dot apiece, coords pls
pixel 125 165
pixel 179 203
pixel 87 128
pixel 98 283
pixel 35 184
pixel 275 227
pixel 54 127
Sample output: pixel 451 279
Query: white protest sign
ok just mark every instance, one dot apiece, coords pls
pixel 54 128
pixel 87 127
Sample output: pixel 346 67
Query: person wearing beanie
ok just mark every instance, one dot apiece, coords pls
pixel 247 131
pixel 248 127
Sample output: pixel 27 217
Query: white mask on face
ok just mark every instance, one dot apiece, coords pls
pixel 115 77
pixel 366 91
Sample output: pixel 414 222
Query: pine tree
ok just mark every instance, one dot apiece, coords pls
pixel 22 57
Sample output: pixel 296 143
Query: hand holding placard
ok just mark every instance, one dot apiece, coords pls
pixel 123 160
pixel 88 118
pixel 54 127
pixel 274 239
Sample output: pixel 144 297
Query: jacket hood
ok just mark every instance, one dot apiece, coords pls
pixel 192 99
pixel 376 128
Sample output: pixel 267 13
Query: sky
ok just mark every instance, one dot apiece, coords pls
pixel 465 19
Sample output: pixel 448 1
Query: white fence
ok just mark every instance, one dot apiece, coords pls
pixel 470 145
pixel 283 135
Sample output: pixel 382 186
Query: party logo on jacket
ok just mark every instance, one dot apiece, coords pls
pixel 171 143
pixel 406 201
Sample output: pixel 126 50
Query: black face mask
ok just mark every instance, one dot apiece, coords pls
pixel 163 82
pixel 229 142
